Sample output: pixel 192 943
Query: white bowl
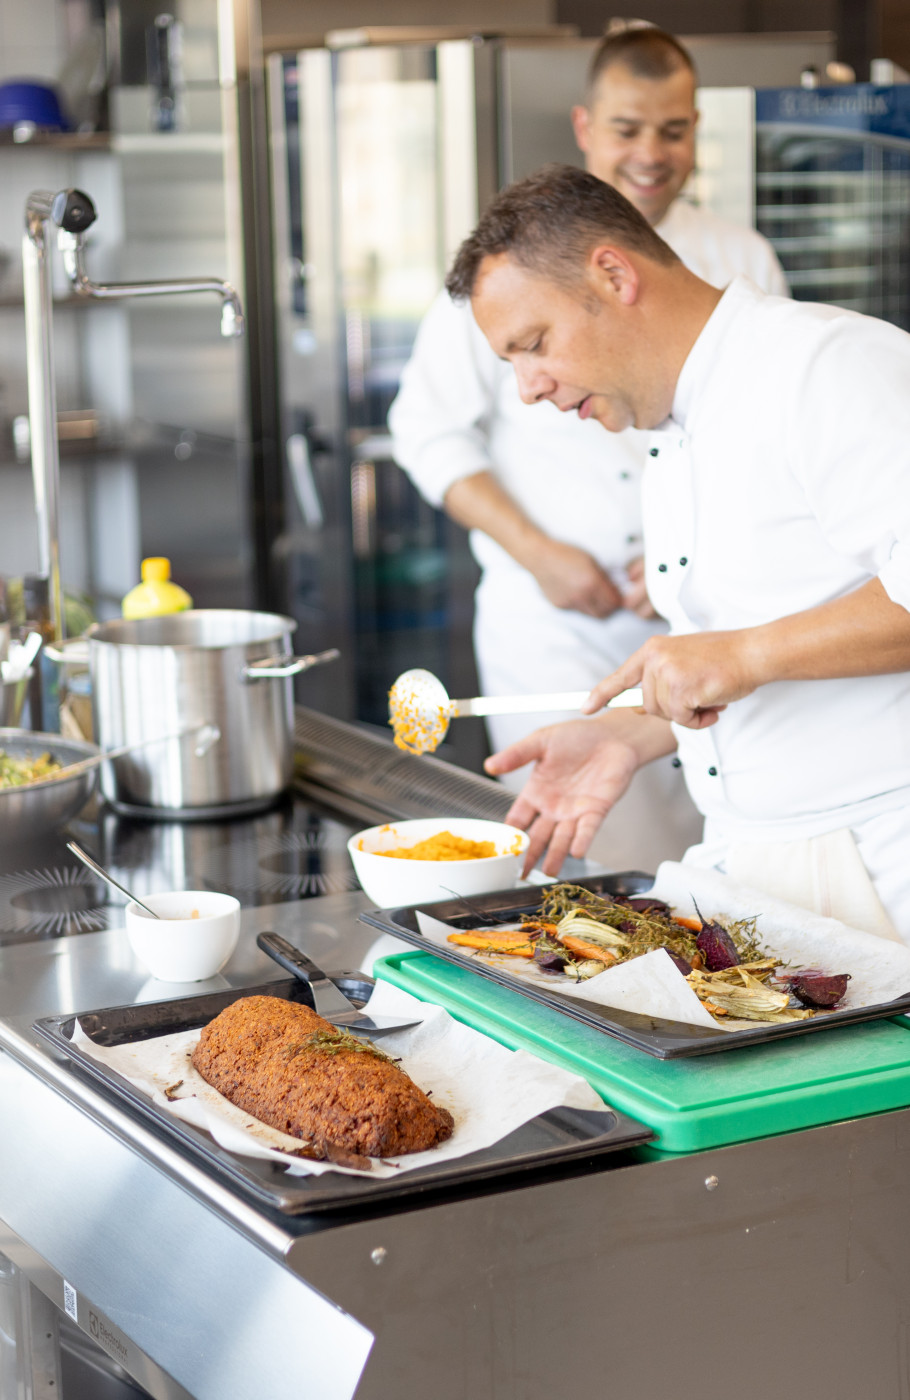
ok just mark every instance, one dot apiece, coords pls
pixel 390 881
pixel 178 947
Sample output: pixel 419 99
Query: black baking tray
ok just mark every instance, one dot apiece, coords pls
pixel 561 1136
pixel 667 1040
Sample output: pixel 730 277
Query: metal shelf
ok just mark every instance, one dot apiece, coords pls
pixel 59 140
pixel 876 209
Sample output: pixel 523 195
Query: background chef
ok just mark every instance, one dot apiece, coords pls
pixel 777 534
pixel 553 504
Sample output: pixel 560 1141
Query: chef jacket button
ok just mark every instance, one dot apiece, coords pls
pixel 683 561
pixel 712 772
pixel 676 762
pixel 654 451
pixel 632 539
pixel 661 568
pixel 624 476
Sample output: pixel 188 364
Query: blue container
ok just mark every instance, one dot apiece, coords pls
pixel 38 103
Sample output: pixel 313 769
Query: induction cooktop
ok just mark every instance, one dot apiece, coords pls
pixel 296 850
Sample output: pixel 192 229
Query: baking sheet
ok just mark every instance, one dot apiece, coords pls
pixel 645 1002
pixel 130 1050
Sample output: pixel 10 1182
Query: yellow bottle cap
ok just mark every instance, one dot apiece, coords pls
pixel 156 570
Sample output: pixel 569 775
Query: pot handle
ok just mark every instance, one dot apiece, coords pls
pixel 76 651
pixel 272 667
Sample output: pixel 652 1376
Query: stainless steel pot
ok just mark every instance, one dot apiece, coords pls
pixel 155 675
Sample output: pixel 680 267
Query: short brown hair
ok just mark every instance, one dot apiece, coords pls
pixel 645 50
pixel 549 222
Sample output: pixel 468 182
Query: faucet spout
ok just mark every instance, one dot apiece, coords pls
pixel 72 247
pixel 73 213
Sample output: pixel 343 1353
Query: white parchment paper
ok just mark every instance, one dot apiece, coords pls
pixel 652 986
pixel 489 1090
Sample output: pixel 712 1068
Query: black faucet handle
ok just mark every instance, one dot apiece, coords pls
pixel 73 211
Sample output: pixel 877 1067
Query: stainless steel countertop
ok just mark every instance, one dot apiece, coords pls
pixel 513 1293
pixel 61 976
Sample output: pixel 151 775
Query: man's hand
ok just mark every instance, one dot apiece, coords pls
pixel 635 594
pixel 687 679
pixel 582 768
pixel 571 578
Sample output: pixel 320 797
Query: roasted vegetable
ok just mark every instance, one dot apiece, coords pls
pixel 818 990
pixel 588 949
pixel 577 924
pixel 715 943
pixel 735 992
pixel 495 940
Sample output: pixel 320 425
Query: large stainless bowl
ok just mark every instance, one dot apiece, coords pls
pixel 37 808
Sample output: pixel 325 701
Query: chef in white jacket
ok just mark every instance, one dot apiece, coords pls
pixel 553 505
pixel 777 536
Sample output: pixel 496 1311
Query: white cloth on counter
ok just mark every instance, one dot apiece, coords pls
pixel 459 412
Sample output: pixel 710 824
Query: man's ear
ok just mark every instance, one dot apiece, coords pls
pixel 581 125
pixel 613 273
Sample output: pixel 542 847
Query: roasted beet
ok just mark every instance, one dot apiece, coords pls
pixel 644 905
pixel 716 945
pixel 684 967
pixel 815 989
pixel 549 961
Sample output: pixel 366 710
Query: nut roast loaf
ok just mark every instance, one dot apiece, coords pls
pixel 292 1069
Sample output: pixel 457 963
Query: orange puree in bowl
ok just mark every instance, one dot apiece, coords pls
pixel 444 846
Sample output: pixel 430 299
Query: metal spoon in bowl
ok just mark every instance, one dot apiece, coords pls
pixel 99 870
pixel 420 709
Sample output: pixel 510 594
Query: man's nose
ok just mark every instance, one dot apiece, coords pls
pixel 649 148
pixel 533 384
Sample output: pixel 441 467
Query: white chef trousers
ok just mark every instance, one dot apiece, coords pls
pixel 860 874
pixel 524 644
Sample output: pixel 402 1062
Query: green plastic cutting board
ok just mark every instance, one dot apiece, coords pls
pixel 692 1104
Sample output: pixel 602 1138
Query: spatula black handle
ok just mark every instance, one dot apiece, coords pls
pixel 328 998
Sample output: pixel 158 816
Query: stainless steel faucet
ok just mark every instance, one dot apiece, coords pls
pixel 73 213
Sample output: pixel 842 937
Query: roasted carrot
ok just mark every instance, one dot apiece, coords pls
pixel 693 924
pixel 494 941
pixel 583 949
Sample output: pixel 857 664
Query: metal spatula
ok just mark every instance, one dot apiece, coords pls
pixel 420 708
pixel 328 1000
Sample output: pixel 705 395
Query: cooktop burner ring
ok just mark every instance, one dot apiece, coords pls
pixel 274 865
pixel 53 902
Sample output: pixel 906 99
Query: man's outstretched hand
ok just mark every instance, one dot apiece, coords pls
pixel 582 767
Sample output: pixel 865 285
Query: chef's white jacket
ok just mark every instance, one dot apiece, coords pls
pixel 459 412
pixel 781 481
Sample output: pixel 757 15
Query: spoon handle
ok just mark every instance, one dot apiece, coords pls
pixel 93 865
pixel 534 704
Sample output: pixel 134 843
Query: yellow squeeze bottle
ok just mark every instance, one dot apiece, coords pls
pixel 156 594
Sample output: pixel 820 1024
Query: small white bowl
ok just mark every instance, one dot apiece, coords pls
pixel 390 881
pixel 178 947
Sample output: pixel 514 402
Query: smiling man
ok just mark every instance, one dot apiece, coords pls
pixel 553 505
pixel 777 534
